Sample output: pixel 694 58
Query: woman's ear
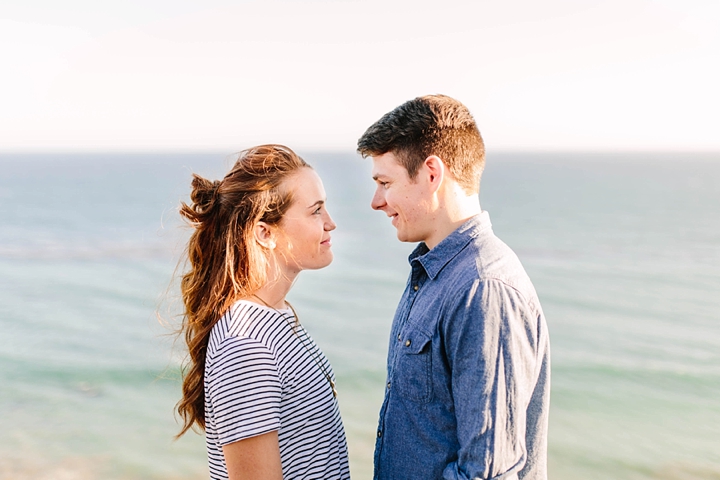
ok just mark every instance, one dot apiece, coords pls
pixel 265 235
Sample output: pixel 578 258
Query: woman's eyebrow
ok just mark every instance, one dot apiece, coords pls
pixel 319 203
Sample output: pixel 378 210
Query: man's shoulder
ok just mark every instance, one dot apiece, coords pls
pixel 486 259
pixel 485 256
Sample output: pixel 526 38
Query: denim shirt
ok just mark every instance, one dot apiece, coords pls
pixel 468 370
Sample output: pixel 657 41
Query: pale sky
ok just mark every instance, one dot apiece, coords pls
pixel 222 75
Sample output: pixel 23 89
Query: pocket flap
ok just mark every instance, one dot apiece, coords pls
pixel 414 342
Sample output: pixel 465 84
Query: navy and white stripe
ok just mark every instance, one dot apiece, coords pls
pixel 262 374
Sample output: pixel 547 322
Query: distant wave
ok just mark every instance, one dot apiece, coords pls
pixel 104 251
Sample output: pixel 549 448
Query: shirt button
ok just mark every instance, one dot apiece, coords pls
pixel 398 337
pixel 416 288
pixel 379 433
pixel 407 343
pixel 388 384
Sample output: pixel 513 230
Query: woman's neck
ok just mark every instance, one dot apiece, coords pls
pixel 276 288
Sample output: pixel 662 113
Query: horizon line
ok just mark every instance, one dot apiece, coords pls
pixel 325 150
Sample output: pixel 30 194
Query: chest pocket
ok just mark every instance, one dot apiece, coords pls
pixel 413 367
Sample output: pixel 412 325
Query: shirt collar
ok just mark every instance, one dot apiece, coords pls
pixel 434 260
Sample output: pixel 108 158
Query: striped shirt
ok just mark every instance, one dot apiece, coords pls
pixel 262 373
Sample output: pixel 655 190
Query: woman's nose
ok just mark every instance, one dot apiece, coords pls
pixel 330 224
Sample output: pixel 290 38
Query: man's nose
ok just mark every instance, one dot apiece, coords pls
pixel 378 200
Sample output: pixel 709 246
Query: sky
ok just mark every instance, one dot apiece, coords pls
pixel 190 75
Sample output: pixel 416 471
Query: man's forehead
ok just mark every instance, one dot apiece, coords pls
pixel 386 164
pixel 387 157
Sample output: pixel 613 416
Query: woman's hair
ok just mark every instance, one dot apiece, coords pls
pixel 225 261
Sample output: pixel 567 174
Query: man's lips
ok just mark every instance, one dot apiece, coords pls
pixel 327 242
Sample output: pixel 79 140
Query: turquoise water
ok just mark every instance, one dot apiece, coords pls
pixel 624 250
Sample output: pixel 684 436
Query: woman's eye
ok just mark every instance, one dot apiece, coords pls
pixel 317 211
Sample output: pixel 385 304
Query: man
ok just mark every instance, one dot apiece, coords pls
pixel 468 372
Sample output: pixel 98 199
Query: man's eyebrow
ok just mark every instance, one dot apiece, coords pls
pixel 319 203
pixel 377 175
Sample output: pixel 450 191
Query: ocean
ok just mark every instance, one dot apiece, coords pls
pixel 623 248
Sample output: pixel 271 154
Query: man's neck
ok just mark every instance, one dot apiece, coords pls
pixel 451 214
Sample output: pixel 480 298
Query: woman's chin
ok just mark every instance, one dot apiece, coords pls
pixel 316 263
pixel 326 260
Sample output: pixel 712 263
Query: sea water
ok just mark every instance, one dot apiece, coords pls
pixel 624 250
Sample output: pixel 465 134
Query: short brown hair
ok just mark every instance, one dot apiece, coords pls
pixel 430 125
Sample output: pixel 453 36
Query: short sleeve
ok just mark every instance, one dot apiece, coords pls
pixel 243 390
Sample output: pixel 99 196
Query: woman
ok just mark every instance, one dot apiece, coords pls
pixel 256 381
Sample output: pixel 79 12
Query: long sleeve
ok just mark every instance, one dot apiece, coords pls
pixel 493 341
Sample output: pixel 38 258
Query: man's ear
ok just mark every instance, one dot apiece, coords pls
pixel 265 235
pixel 434 171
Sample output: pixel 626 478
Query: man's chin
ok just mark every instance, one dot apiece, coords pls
pixel 404 237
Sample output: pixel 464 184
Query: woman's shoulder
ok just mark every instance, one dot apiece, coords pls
pixel 248 320
pixel 247 331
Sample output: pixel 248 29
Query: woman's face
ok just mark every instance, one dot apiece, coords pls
pixel 303 239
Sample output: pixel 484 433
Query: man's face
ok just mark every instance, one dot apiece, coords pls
pixel 404 200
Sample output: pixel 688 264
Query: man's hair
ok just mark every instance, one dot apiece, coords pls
pixel 430 125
